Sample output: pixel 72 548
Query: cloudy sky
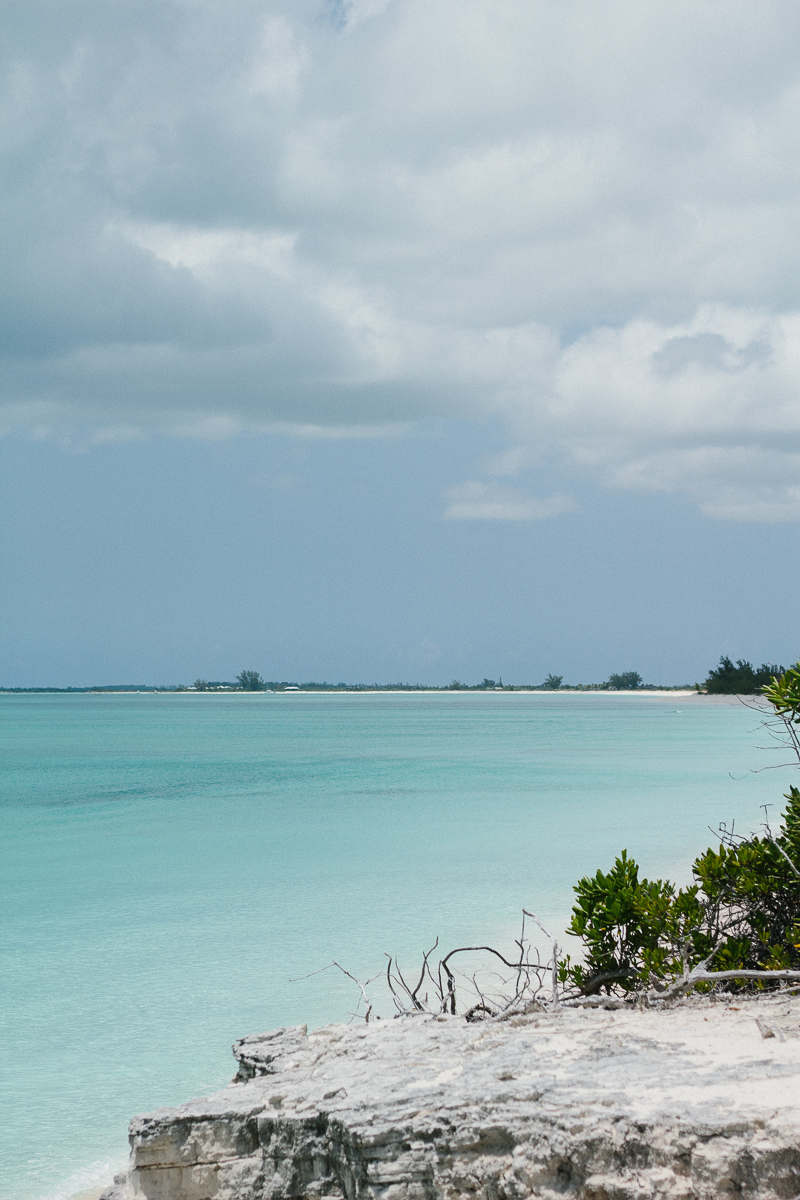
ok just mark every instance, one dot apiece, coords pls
pixel 399 339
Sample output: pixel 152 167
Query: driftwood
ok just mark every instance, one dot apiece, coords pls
pixel 528 982
pixel 509 986
pixel 699 974
pixel 531 987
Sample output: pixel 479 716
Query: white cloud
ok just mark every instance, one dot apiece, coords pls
pixel 279 61
pixel 710 406
pixel 339 219
pixel 475 501
pixel 203 249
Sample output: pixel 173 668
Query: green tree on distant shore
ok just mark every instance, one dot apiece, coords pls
pixel 741 678
pixel 250 681
pixel 627 680
pixel 553 682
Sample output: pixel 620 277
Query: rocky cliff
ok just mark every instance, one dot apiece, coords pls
pixel 597 1105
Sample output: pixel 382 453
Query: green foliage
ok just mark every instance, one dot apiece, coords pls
pixel 627 680
pixel 743 910
pixel 741 678
pixel 250 681
pixel 752 888
pixel 783 692
pixel 553 682
pixel 631 928
pixel 201 685
pixel 487 683
pixel 610 919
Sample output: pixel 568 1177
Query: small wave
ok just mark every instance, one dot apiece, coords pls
pixel 87 1182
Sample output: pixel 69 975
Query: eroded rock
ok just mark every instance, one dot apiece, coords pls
pixel 688 1104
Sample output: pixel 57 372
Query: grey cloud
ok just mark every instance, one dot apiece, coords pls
pixel 742 483
pixel 706 350
pixel 348 217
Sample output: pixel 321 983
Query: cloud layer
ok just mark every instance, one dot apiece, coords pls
pixel 476 501
pixel 345 218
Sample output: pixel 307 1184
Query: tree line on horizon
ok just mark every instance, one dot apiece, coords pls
pixel 739 678
pixel 252 681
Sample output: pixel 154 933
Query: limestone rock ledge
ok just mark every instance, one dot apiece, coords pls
pixel 595 1105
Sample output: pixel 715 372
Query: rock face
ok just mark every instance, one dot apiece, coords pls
pixel 595 1105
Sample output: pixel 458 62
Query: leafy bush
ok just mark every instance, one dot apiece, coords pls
pixel 741 912
pixel 783 693
pixel 752 894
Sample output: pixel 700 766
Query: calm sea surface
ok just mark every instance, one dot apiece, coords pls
pixel 171 863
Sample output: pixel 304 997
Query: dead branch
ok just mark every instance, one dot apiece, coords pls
pixel 714 976
pixel 593 985
pixel 781 850
pixel 448 1001
pixel 699 974
pixel 475 949
pixel 425 958
pixel 361 986
pixel 472 1013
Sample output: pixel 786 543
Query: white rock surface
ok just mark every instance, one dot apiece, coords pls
pixel 595 1105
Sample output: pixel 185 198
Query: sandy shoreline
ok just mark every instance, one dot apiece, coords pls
pixel 657 693
pixel 511 690
pixel 624 694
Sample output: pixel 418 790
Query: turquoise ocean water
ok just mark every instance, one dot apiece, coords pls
pixel 171 863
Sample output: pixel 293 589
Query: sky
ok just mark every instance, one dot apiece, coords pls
pixel 398 340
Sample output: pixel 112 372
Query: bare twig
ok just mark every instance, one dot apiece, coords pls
pixel 781 850
pixel 361 986
pixel 700 974
pixel 425 958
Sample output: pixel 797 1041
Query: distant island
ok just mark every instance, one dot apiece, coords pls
pixel 288 686
pixel 729 678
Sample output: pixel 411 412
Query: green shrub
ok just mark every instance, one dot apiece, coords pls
pixel 633 929
pixel 743 910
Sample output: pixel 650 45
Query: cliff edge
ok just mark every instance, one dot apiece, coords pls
pixel 700 1101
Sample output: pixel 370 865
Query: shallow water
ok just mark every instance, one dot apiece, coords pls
pixel 172 863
